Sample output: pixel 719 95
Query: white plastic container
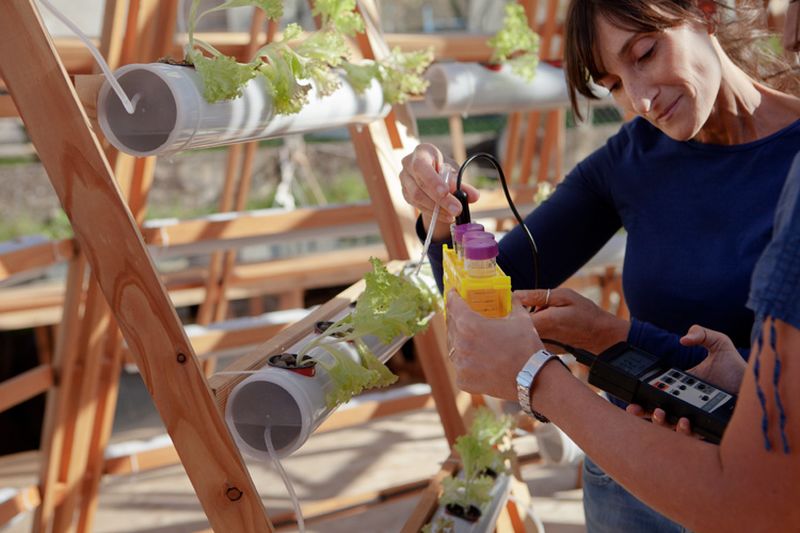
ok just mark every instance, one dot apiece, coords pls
pixel 489 514
pixel 171 114
pixel 473 89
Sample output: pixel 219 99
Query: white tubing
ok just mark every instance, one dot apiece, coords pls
pixel 472 89
pixel 172 115
pixel 128 104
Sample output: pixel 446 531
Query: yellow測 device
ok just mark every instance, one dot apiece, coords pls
pixel 487 295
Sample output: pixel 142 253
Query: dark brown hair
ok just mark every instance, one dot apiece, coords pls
pixel 741 32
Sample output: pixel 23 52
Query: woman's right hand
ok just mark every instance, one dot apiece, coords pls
pixel 423 181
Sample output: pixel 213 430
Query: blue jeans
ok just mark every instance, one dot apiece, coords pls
pixel 611 509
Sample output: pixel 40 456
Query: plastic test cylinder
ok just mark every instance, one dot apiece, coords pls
pixel 458 231
pixel 480 256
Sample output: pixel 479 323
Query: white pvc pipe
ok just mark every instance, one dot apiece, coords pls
pixel 172 115
pixel 489 513
pixel 293 405
pixel 473 89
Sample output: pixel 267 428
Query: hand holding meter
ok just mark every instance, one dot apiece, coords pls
pixel 636 376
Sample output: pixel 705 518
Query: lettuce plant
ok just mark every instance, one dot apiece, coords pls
pixel 484 448
pixel 319 57
pixel 516 43
pixel 390 306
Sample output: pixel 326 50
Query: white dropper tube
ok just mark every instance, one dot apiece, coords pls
pixel 445 174
pixel 130 105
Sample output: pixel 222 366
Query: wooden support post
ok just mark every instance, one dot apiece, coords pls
pixel 85 185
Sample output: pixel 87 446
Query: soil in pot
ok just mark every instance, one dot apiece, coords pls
pixel 489 473
pixel 470 514
pixel 288 361
pixel 322 326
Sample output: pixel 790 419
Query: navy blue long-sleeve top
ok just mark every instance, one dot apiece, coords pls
pixel 697 218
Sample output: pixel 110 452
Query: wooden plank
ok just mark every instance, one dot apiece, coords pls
pixel 364 412
pixel 58 397
pixel 139 462
pixel 81 404
pixel 36 256
pixel 27 499
pixel 253 224
pixel 25 386
pixel 85 185
pixel 339 419
pixel 429 501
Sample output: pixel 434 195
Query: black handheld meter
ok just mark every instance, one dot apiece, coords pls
pixel 636 376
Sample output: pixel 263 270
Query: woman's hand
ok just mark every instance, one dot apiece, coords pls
pixel 422 179
pixel 568 317
pixel 724 366
pixel 488 353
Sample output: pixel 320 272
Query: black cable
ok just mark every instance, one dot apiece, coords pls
pixel 582 356
pixel 465 217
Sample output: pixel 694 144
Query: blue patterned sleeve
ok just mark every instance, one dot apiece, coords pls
pixel 775 295
pixel 775 286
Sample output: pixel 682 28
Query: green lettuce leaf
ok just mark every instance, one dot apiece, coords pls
pixel 516 43
pixel 223 78
pixel 340 14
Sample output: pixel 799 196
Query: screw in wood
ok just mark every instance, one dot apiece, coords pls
pixel 181 358
pixel 233 494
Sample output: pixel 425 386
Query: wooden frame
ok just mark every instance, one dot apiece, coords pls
pixel 138 302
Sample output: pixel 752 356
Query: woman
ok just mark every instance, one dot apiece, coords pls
pixel 694 181
pixel 748 482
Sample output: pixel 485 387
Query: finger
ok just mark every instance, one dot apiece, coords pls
pixel 708 338
pixel 533 298
pixel 635 410
pixel 694 336
pixel 414 195
pixel 473 194
pixel 660 417
pixel 684 427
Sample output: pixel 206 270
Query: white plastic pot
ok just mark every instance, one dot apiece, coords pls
pixel 555 446
pixel 292 404
pixel 473 89
pixel 489 513
pixel 171 114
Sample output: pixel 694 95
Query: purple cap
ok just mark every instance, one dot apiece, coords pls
pixel 461 229
pixel 476 235
pixel 481 249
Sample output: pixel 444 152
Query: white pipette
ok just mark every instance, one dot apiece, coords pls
pixel 446 175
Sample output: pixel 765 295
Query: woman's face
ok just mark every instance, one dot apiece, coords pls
pixel 671 78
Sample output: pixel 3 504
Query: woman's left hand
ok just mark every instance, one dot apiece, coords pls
pixel 488 353
pixel 568 317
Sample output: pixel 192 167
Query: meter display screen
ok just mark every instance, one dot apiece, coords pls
pixel 634 362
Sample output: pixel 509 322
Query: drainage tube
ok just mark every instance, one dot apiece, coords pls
pixel 473 89
pixel 171 114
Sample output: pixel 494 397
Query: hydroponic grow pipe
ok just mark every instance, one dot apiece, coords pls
pixel 293 404
pixel 474 89
pixel 171 114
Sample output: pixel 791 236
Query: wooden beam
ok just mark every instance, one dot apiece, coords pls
pixel 26 499
pixel 429 500
pixel 85 185
pixel 243 225
pixel 25 386
pixel 36 256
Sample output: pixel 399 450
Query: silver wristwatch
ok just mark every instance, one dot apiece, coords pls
pixel 525 380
